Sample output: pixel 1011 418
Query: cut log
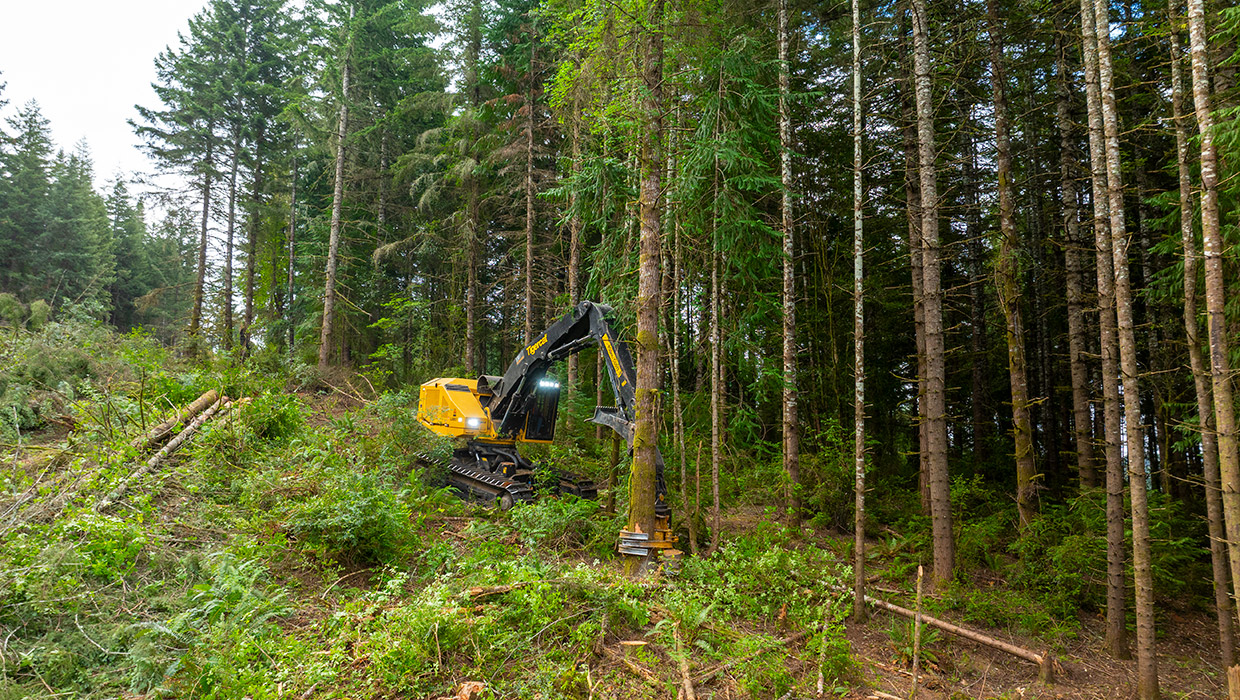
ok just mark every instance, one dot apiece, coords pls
pixel 1044 662
pixel 162 431
pixel 160 456
pixel 682 660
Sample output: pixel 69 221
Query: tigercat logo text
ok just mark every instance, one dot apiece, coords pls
pixel 534 348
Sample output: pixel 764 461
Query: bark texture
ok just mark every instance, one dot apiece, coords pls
pixel 642 478
pixel 1147 662
pixel 1073 273
pixel 791 436
pixel 932 294
pixel 1216 292
pixel 1008 282
pixel 1117 630
pixel 858 327
pixel 1201 377
pixel 333 243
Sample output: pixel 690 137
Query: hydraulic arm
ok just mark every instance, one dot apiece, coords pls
pixel 491 414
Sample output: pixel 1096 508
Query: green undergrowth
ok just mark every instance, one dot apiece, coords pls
pixel 1039 582
pixel 296 548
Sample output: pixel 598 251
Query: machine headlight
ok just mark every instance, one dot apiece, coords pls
pixel 548 384
pixel 473 423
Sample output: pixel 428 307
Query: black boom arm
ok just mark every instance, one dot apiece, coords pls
pixel 511 397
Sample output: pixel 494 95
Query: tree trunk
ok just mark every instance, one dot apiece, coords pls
pixel 716 390
pixel 251 242
pixel 791 438
pixel 574 243
pixel 912 201
pixel 1154 452
pixel 858 327
pixel 1074 279
pixel 1147 663
pixel 1201 383
pixel 200 281
pixel 471 281
pixel 227 309
pixel 292 248
pixel 1008 282
pixel 333 245
pixel 642 497
pixel 1216 292
pixel 1117 630
pixel 529 204
pixel 936 390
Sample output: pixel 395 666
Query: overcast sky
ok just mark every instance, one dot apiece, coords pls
pixel 87 63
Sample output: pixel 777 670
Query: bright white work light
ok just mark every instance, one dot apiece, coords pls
pixel 548 384
pixel 473 423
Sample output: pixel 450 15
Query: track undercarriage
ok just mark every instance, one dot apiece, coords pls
pixel 497 473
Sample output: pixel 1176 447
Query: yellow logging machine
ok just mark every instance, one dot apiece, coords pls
pixel 489 415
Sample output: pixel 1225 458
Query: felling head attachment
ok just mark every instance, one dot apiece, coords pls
pixel 662 545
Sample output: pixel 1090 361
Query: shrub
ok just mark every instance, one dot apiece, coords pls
pixel 356 518
pixel 108 545
pixel 274 417
pixel 556 522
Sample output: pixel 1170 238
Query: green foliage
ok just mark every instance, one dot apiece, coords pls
pixel 356 518
pixel 198 650
pixel 760 576
pixel 108 545
pixel 12 311
pixel 565 522
pixel 40 313
pixel 274 418
pixel 902 634
pixel 827 476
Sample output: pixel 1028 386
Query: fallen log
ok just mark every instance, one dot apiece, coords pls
pixel 159 457
pixel 1044 662
pixel 682 660
pixel 164 430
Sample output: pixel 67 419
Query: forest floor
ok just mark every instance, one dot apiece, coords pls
pixel 292 551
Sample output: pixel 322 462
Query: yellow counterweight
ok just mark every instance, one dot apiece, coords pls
pixel 450 407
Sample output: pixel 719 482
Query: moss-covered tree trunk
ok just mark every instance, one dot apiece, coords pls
pixel 645 435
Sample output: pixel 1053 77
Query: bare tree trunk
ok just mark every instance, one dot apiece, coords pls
pixel 1154 453
pixel 716 391
pixel 645 436
pixel 292 249
pixel 936 390
pixel 1117 630
pixel 912 200
pixel 471 280
pixel 1083 423
pixel 1201 383
pixel 1147 662
pixel 791 438
pixel 333 245
pixel 1216 293
pixel 200 282
pixel 227 304
pixel 251 243
pixel 858 327
pixel 1008 282
pixel 529 204
pixel 574 244
pixel 678 419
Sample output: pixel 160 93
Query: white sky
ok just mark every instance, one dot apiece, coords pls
pixel 87 63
